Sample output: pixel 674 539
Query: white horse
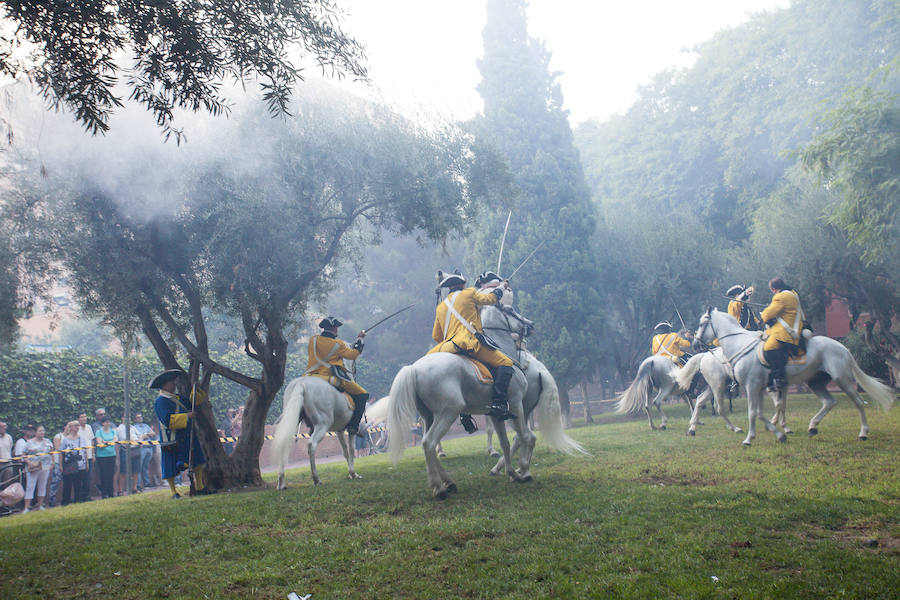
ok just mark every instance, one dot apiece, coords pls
pixel 825 360
pixel 441 386
pixel 655 371
pixel 324 409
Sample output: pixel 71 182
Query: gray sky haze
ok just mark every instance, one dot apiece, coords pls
pixel 422 53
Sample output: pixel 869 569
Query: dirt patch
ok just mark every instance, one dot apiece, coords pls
pixel 870 534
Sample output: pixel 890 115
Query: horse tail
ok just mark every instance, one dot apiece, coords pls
pixel 874 387
pixel 633 400
pixel 377 411
pixel 685 374
pixel 401 412
pixel 286 426
pixel 549 418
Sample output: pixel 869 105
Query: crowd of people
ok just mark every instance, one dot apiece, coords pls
pixel 91 462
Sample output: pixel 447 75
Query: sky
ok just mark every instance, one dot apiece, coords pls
pixel 422 53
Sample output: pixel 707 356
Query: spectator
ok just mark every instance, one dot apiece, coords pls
pixel 106 455
pixel 38 467
pixel 73 464
pixel 145 434
pixel 129 455
pixel 363 441
pixel 156 461
pixel 55 482
pixel 237 422
pixel 86 433
pixel 6 446
pixel 95 426
pixel 27 434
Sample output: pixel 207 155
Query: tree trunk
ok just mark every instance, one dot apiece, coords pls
pixel 886 350
pixel 564 405
pixel 588 417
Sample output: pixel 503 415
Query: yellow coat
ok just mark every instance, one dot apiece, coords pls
pixel 332 352
pixel 786 305
pixel 669 345
pixel 452 336
pixel 734 309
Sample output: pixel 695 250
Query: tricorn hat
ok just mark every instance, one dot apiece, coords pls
pixel 330 323
pixel 663 326
pixel 486 277
pixel 734 290
pixel 452 279
pixel 165 377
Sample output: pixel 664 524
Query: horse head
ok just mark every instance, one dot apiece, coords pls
pixel 706 331
pixel 505 327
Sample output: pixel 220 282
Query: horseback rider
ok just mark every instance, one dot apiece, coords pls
pixel 784 326
pixel 668 343
pixel 458 329
pixel 326 360
pixel 738 307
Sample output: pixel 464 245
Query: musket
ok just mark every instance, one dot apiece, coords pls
pixel 437 290
pixel 746 301
pixel 393 314
pixel 503 241
pixel 527 258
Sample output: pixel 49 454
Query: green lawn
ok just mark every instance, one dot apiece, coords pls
pixel 649 514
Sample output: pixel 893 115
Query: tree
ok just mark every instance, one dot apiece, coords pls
pixel 858 155
pixel 524 120
pixel 715 138
pixel 181 52
pixel 252 226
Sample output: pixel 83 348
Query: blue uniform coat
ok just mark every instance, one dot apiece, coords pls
pixel 174 425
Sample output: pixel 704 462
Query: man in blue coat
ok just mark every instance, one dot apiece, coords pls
pixel 174 413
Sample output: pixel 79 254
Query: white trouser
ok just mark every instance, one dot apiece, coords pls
pixel 37 479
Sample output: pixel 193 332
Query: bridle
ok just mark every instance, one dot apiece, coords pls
pixel 730 360
pixel 509 329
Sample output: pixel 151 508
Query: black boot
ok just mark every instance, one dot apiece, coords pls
pixel 499 404
pixel 359 408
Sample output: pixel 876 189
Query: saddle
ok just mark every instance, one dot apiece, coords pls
pixel 795 359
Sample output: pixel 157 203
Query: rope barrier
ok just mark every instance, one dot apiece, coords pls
pixel 153 443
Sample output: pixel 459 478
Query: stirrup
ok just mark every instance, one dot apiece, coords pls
pixel 468 423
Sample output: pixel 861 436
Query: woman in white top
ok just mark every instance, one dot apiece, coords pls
pixel 37 479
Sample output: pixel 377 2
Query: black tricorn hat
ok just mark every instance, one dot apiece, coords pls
pixel 663 326
pixel 487 277
pixel 734 290
pixel 452 280
pixel 330 323
pixel 165 377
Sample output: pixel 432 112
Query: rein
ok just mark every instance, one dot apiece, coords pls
pixel 740 353
pixel 508 329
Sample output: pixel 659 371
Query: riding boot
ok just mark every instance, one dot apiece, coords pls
pixel 359 408
pixel 777 359
pixel 499 404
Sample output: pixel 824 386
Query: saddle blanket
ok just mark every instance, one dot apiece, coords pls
pixel 798 359
pixel 482 373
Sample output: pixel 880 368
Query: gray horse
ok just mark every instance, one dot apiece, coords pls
pixel 325 409
pixel 441 386
pixel 655 371
pixel 826 360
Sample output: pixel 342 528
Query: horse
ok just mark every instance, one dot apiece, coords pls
pixel 655 371
pixel 825 360
pixel 441 386
pixel 324 409
pixel 714 368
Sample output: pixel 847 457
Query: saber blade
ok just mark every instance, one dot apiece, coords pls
pixel 502 242
pixel 394 314
pixel 527 258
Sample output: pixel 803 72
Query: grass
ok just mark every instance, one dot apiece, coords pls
pixel 648 515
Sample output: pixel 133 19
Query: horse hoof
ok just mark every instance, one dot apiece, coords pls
pixel 494 453
pixel 662 427
pixel 738 430
pixel 527 477
pixel 863 438
pixel 451 488
pixel 788 430
pixel 691 432
pixel 812 431
pixel 441 494
pixel 781 437
pixel 745 443
pixel 700 423
pixel 442 454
